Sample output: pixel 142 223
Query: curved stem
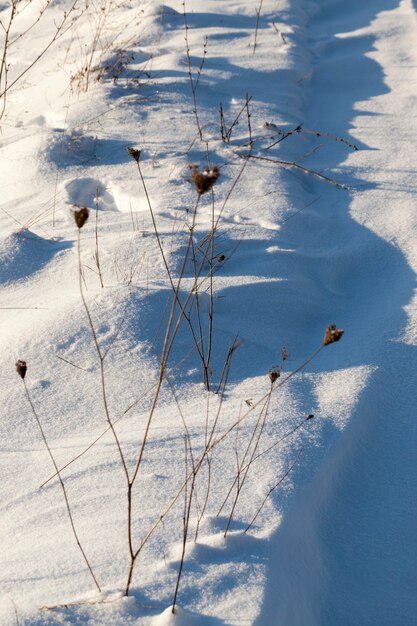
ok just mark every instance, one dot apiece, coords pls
pixel 64 491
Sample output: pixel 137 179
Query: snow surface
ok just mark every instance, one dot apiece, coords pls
pixel 336 543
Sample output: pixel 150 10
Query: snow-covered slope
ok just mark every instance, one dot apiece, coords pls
pixel 308 111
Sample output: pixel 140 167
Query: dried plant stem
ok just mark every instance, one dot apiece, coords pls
pixel 4 66
pixel 190 74
pixel 272 489
pixel 96 253
pixel 282 382
pixel 227 132
pixel 36 21
pixel 241 465
pixel 226 364
pixel 258 15
pixel 64 491
pixel 254 439
pixel 299 130
pixel 211 442
pixel 98 28
pixel 186 518
pixel 284 40
pixel 192 476
pixel 199 323
pixel 169 339
pixel 208 462
pixel 164 259
pixel 239 175
pixel 262 453
pixel 104 432
pixel 16 614
pixel 168 343
pixel 297 166
pixel 211 294
pixel 60 29
pixel 206 498
pixel 101 358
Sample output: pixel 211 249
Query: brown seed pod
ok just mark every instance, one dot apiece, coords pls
pixel 221 258
pixel 274 374
pixel 310 416
pixel 204 181
pixel 134 153
pixel 332 334
pixel 81 215
pixel 21 368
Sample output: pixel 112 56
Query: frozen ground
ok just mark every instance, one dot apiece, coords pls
pixel 293 251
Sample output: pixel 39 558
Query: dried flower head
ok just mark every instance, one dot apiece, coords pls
pixel 221 258
pixel 274 374
pixel 310 416
pixel 21 368
pixel 332 334
pixel 204 181
pixel 81 215
pixel 134 153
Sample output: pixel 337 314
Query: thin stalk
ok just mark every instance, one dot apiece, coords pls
pixel 164 259
pixel 262 453
pixel 96 255
pixel 297 166
pixel 212 443
pixel 100 359
pixel 258 14
pixel 186 522
pixel 272 489
pixel 241 481
pixel 211 298
pixel 166 349
pixel 64 491
pixel 192 84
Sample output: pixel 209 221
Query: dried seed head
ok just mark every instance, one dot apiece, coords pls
pixel 310 416
pixel 332 334
pixel 134 153
pixel 221 258
pixel 21 368
pixel 204 181
pixel 274 374
pixel 81 215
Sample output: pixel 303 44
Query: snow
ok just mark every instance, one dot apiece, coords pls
pixel 295 251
